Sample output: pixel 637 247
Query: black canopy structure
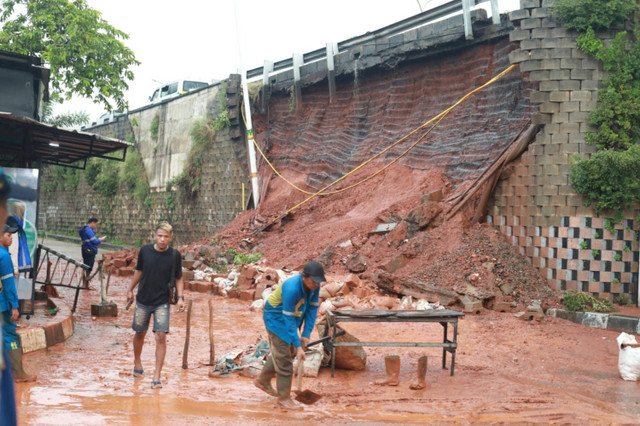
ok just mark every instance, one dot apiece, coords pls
pixel 28 142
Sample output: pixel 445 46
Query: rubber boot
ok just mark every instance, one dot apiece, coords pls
pixel 283 383
pixel 392 366
pixel 420 383
pixel 263 381
pixel 19 375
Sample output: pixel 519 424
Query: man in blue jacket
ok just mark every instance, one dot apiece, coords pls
pixel 89 244
pixel 292 304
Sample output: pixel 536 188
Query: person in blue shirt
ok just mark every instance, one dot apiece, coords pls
pixel 89 244
pixel 291 307
pixel 8 414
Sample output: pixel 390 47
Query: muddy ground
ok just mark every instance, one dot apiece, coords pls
pixel 507 370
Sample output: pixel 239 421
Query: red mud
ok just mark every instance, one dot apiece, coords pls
pixel 507 370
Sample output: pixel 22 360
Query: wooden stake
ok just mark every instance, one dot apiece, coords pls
pixel 185 353
pixel 212 348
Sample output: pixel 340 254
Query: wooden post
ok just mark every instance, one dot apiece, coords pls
pixel 185 353
pixel 212 348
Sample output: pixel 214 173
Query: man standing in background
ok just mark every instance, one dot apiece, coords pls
pixel 89 245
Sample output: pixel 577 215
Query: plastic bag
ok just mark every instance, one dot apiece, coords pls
pixel 628 357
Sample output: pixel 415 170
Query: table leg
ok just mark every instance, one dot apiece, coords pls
pixel 455 341
pixel 333 349
pixel 444 350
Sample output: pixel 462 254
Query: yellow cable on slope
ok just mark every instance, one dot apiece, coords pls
pixel 438 117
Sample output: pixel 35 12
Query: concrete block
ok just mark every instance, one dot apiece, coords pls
pixel 530 23
pixel 560 96
pixel 579 74
pixel 595 320
pixel 569 85
pixel 590 64
pixel 549 86
pixel 518 56
pixel 517 35
pixel 549 107
pixel 540 118
pixel 519 14
pixel 581 95
pixel 502 306
pixel 104 310
pixel 541 12
pixel 471 305
pixel 623 323
pixel 550 64
pixel 529 4
pixel 539 76
pixel 541 33
pixel 571 63
pixel 539 97
pixel 32 339
pixel 559 74
pixel 530 44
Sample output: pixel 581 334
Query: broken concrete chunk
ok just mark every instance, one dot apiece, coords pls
pixel 384 228
pixel 432 196
pixel 356 263
pixel 471 305
pixel 506 289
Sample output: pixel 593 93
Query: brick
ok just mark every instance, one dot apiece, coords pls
pixel 591 64
pixel 577 138
pixel 247 294
pixel 560 96
pixel 560 32
pixel 590 85
pixel 517 35
pixel 560 117
pixel 569 85
pixel 530 23
pixel 539 76
pixel 588 105
pixel 531 65
pixel 549 86
pixel 560 74
pixel 540 118
pixel 518 56
pixel 569 128
pixel 549 107
pixel 541 33
pixel 550 64
pixel 581 95
pixel 577 74
pixel 537 54
pixel 541 12
pixel 571 63
pixel 560 138
pixel 539 97
pixel 530 44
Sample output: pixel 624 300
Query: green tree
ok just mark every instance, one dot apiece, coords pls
pixel 86 55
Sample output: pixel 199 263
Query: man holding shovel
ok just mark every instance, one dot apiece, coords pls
pixel 293 303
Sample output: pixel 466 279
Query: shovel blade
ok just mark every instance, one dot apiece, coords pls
pixel 307 397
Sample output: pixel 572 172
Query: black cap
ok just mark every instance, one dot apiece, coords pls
pixel 315 271
pixel 10 228
pixel 13 190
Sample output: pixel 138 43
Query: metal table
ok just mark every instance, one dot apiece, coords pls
pixel 442 316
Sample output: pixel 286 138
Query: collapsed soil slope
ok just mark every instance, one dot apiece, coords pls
pixel 426 250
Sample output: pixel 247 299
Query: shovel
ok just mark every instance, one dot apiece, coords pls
pixel 305 396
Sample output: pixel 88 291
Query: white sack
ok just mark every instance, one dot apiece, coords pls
pixel 628 358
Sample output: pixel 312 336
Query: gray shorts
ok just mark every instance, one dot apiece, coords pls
pixel 142 316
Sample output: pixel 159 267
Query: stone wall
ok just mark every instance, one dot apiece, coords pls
pixel 534 205
pixel 131 221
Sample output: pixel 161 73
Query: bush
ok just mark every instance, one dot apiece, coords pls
pixel 240 258
pixel 609 179
pixel 584 302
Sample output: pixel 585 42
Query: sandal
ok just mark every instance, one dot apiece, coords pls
pixel 156 385
pixel 138 373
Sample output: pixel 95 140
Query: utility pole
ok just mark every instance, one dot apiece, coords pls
pixel 247 109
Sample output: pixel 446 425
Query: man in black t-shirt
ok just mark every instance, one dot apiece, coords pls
pixel 153 272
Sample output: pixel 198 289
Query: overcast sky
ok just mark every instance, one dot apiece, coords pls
pixel 195 39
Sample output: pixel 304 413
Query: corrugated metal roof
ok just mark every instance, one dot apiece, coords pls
pixel 33 141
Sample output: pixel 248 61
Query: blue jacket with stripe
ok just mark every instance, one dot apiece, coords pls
pixel 288 307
